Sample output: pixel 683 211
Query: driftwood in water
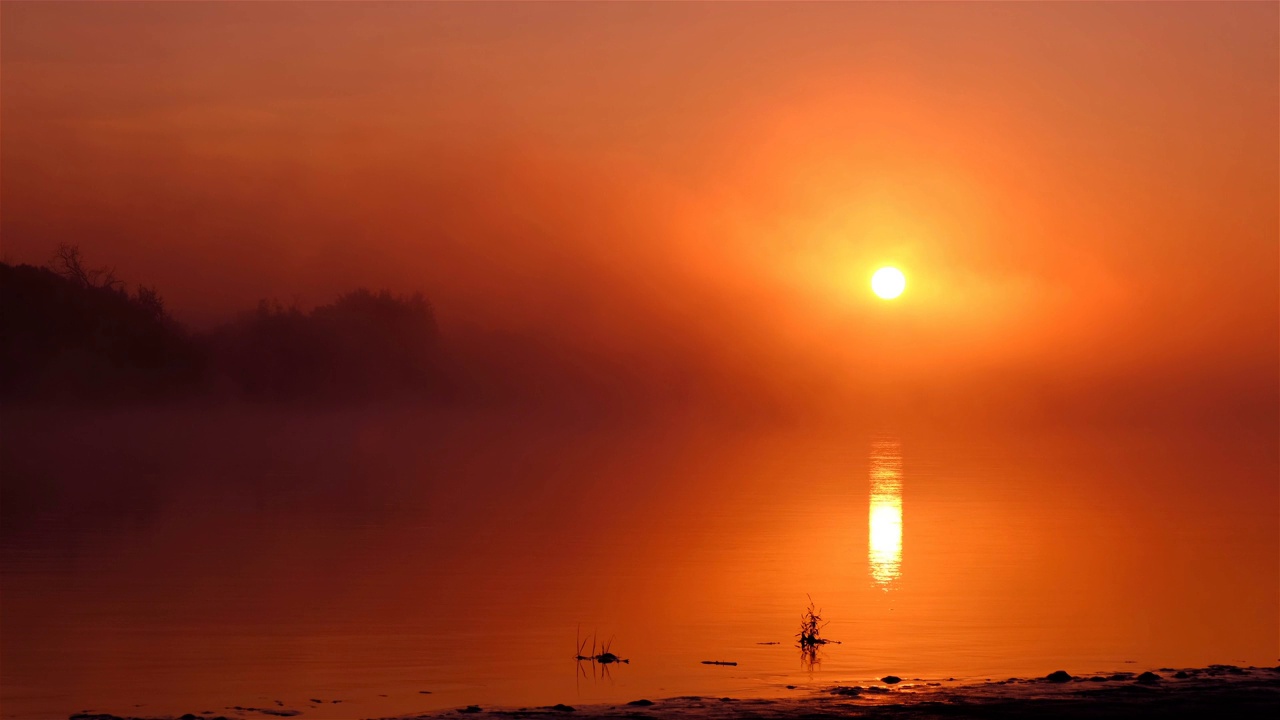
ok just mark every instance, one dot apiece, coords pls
pixel 718 662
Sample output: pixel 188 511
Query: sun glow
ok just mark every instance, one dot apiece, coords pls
pixel 888 282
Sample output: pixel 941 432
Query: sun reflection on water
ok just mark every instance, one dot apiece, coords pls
pixel 884 541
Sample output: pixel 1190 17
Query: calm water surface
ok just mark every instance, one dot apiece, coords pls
pixel 162 565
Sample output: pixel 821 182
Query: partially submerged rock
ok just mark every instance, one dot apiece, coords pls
pixel 846 691
pixel 1148 678
pixel 1058 676
pixel 891 679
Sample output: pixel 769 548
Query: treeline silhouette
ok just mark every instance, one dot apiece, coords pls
pixel 72 332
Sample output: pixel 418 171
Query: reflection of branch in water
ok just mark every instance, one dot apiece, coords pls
pixel 603 659
pixel 810 635
pixel 809 658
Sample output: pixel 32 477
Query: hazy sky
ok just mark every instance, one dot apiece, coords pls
pixel 1081 195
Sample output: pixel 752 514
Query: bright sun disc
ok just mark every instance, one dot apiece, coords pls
pixel 888 282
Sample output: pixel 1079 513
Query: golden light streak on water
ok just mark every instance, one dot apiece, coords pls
pixel 884 542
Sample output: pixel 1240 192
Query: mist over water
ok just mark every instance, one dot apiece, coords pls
pixel 197 559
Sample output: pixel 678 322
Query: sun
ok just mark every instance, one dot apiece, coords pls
pixel 888 282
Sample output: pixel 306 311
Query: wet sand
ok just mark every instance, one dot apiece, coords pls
pixel 1216 691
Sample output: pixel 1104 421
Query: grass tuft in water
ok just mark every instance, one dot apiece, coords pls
pixel 811 624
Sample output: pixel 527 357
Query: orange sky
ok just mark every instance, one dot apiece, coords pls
pixel 1083 197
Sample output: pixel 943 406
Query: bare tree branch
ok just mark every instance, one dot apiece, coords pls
pixel 69 263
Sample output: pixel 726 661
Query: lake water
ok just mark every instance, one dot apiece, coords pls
pixel 172 562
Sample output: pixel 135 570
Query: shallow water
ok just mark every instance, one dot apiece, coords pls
pixel 171 562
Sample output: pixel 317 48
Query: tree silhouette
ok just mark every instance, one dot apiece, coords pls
pixel 69 263
pixel 75 333
pixel 364 344
pixel 72 331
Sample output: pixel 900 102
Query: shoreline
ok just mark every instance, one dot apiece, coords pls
pixel 1213 691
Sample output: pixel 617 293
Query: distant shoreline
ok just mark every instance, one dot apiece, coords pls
pixel 1213 691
